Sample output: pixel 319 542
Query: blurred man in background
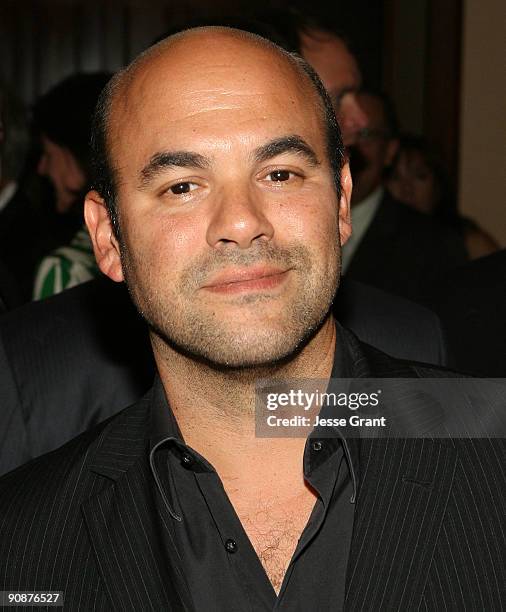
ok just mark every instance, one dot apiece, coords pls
pixel 389 245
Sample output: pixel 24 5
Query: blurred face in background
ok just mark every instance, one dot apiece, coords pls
pixel 375 146
pixel 60 166
pixel 339 71
pixel 413 182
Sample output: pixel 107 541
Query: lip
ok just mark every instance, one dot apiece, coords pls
pixel 237 280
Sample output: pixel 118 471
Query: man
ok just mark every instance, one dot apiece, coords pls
pixel 224 213
pixel 388 247
pixel 69 355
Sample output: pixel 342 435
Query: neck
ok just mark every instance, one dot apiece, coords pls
pixel 215 407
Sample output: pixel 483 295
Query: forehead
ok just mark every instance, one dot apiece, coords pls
pixel 210 94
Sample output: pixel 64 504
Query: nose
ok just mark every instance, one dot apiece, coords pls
pixel 351 118
pixel 238 219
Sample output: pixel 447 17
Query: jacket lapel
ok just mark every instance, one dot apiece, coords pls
pixel 404 486
pixel 403 492
pixel 135 554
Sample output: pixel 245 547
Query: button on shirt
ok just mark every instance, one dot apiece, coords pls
pixel 214 554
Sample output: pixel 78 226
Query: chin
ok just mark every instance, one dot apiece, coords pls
pixel 244 356
pixel 240 350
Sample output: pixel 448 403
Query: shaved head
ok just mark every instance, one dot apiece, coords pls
pixel 153 72
pixel 221 172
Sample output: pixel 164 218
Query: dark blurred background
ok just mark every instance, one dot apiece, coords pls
pixel 442 62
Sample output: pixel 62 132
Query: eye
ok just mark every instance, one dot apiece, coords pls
pixel 183 187
pixel 279 175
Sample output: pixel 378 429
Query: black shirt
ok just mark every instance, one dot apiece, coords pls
pixel 215 556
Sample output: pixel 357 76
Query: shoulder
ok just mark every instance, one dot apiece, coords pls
pixel 424 400
pixel 375 363
pixel 65 475
pixel 394 324
pixel 49 471
pixel 69 354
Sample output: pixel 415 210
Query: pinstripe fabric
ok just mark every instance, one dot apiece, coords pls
pixel 429 519
pixel 80 520
pixel 427 536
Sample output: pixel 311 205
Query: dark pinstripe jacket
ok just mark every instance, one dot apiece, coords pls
pixel 427 534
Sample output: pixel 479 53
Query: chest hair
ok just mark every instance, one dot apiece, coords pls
pixel 274 534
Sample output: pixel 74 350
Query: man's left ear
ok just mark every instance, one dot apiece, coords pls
pixel 344 204
pixel 105 244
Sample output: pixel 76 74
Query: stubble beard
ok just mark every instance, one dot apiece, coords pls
pixel 195 332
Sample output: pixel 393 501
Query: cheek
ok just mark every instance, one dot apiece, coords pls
pixel 310 220
pixel 162 243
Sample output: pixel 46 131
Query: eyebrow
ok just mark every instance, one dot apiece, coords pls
pixel 187 159
pixel 286 144
pixel 171 159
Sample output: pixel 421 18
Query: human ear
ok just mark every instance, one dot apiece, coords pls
pixel 105 244
pixel 344 204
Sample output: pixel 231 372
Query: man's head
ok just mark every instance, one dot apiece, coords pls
pixel 330 56
pixel 228 213
pixel 62 118
pixel 376 145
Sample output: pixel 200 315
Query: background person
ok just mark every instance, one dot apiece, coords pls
pixel 388 245
pixel 417 178
pixel 63 119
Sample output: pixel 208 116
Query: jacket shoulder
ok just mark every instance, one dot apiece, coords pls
pixel 382 365
pixel 52 475
pixel 51 469
pixel 44 540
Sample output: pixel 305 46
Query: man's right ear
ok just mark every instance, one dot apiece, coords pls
pixel 105 244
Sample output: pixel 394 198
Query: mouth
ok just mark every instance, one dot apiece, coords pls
pixel 239 280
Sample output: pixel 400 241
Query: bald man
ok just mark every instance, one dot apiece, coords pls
pixel 221 197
